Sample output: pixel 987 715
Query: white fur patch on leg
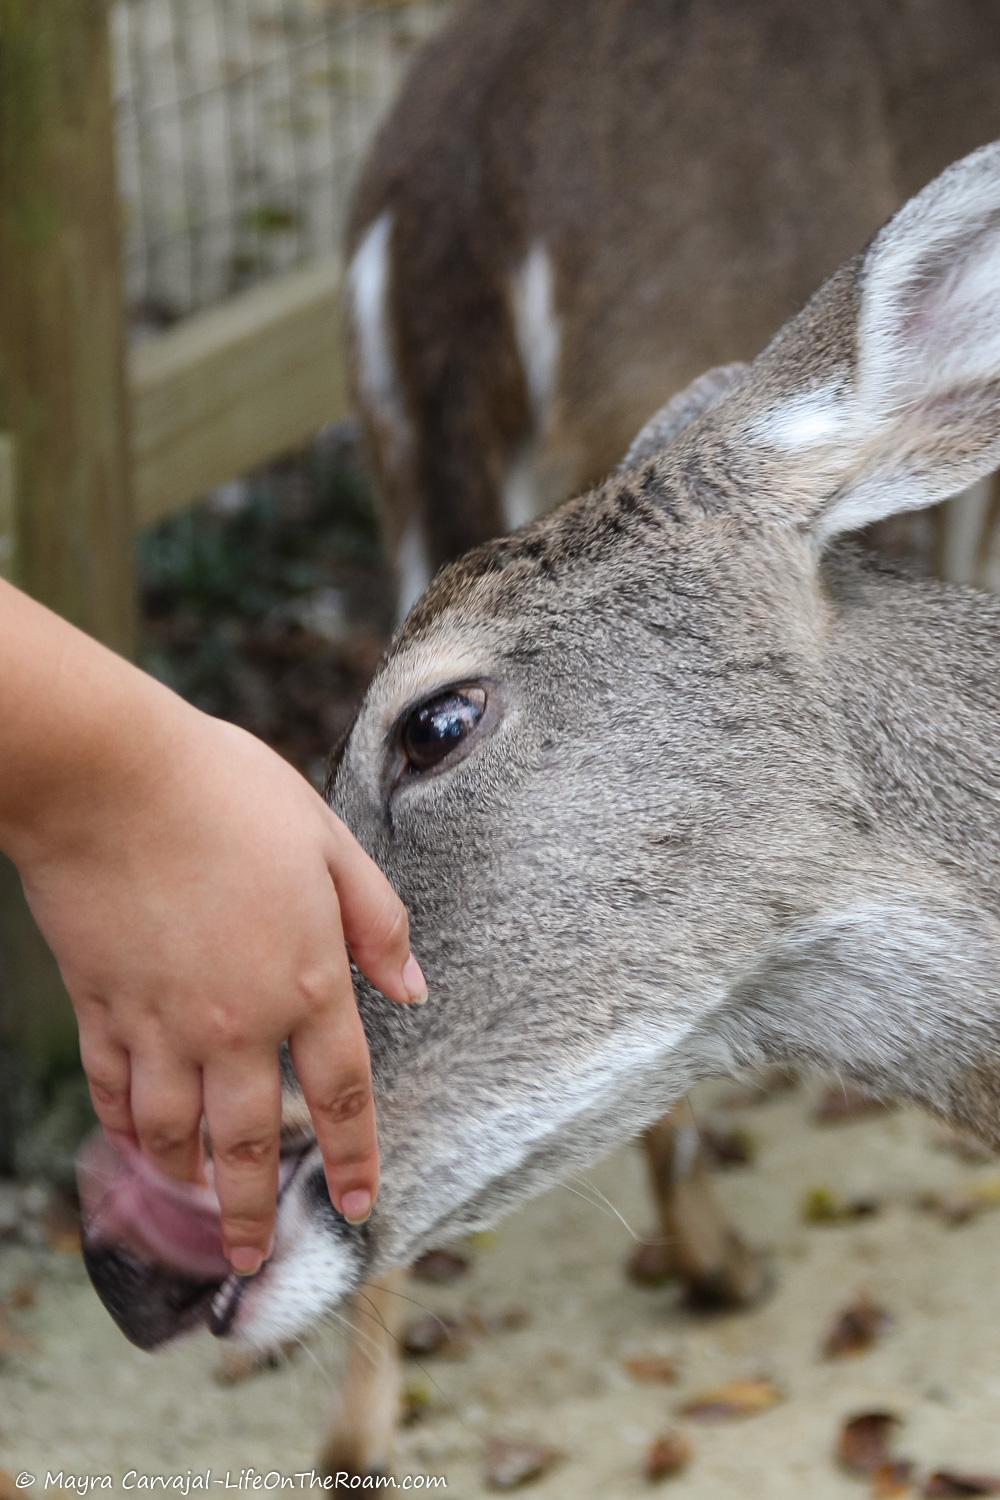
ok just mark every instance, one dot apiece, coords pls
pixel 368 280
pixel 539 340
pixel 536 328
pixel 367 284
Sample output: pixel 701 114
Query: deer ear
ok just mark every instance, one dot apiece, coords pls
pixel 905 409
pixel 694 401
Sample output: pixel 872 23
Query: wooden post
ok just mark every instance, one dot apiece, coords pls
pixel 66 472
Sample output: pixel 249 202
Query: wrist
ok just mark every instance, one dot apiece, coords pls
pixel 85 737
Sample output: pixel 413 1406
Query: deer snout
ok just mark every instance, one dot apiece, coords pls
pixel 153 1246
pixel 149 1303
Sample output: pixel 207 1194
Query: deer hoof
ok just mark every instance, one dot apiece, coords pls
pixel 340 1468
pixel 741 1280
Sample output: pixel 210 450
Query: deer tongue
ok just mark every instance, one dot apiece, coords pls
pixel 128 1203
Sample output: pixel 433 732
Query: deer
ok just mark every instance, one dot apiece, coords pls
pixel 571 211
pixel 677 780
pixel 575 207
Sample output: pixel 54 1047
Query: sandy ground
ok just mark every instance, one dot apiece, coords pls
pixel 78 1398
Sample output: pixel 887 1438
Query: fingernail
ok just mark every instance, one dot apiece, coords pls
pixel 356 1206
pixel 246 1260
pixel 414 982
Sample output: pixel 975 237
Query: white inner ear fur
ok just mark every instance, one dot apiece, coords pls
pixel 916 423
pixel 930 316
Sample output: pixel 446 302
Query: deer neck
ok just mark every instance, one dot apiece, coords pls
pixel 896 982
pixel 916 677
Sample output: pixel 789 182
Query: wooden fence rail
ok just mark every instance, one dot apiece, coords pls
pixel 232 387
pixel 218 395
pixel 95 444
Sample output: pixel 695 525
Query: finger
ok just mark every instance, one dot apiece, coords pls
pixel 330 1053
pixel 166 1108
pixel 375 922
pixel 106 1064
pixel 243 1111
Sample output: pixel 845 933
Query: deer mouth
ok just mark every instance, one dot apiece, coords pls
pixel 225 1304
pixel 153 1246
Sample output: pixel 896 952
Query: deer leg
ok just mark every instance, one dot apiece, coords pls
pixel 988 546
pixel 702 1250
pixel 360 1441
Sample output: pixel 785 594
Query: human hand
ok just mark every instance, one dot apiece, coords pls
pixel 198 897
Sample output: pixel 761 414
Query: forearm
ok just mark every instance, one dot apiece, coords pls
pixel 77 724
pixel 196 893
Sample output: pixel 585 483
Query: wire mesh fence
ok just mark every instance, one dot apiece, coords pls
pixel 240 125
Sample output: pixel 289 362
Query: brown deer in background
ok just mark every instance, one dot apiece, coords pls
pixel 575 207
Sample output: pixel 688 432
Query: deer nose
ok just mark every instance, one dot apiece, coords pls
pixel 149 1303
pixel 153 1246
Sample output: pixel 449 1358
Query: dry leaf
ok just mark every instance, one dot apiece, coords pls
pixel 66 1241
pixel 822 1206
pixel 965 1204
pixel 967 1148
pixel 441 1266
pixel 11 1340
pixel 863 1444
pixel 652 1367
pixel 238 1365
pixel 740 1398
pixel 435 1335
pixel 414 1403
pixel 841 1102
pixel 892 1479
pixel 728 1148
pixel 509 1319
pixel 61 1225
pixel 511 1462
pixel 856 1328
pixel 10 1491
pixel 948 1482
pixel 649 1265
pixel 668 1455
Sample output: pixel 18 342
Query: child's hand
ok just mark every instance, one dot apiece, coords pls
pixel 198 899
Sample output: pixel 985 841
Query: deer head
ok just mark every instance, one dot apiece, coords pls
pixel 670 783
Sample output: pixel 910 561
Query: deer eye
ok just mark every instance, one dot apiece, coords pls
pixel 431 732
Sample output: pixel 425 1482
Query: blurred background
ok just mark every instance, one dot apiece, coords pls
pixel 181 473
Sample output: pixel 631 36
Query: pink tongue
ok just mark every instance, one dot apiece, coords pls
pixel 127 1202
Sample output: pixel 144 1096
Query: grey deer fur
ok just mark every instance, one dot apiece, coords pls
pixel 734 797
